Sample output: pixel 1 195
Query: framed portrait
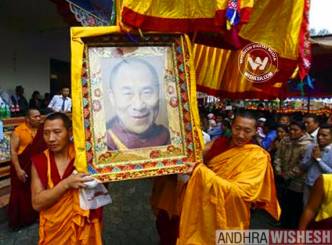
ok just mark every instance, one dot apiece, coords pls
pixel 134 112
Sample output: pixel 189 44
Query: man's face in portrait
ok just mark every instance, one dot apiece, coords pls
pixel 134 93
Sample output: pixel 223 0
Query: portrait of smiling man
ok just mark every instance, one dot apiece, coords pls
pixel 134 94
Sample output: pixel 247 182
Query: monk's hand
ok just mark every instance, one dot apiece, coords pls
pixel 21 174
pixel 76 181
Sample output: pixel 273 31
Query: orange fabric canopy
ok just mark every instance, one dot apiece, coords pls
pixel 278 24
pixel 182 16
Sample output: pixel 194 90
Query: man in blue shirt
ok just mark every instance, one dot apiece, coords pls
pixel 317 159
pixel 270 132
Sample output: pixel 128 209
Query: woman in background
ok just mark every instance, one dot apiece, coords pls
pixel 35 101
pixel 282 131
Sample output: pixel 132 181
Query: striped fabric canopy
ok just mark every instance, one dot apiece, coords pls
pixel 279 24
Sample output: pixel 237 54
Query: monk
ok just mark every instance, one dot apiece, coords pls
pixel 164 202
pixel 55 190
pixel 26 140
pixel 236 177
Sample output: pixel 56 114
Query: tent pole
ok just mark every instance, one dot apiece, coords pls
pixel 308 105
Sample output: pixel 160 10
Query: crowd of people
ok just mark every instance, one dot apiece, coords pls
pixel 19 105
pixel 260 170
pixel 300 148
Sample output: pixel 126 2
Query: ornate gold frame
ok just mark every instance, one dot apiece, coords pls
pixel 88 112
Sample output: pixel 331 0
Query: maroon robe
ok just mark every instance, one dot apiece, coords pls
pixel 219 145
pixel 325 224
pixel 40 163
pixel 156 135
pixel 20 211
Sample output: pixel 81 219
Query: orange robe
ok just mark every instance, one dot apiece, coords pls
pixel 220 195
pixel 20 211
pixel 25 135
pixel 164 195
pixel 65 222
pixel 164 202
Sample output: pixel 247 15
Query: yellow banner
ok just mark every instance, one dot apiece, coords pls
pixel 77 49
pixel 276 23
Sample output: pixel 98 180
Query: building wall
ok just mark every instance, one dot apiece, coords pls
pixel 25 57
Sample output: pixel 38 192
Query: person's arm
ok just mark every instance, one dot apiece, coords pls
pixel 324 165
pixel 267 141
pixel 297 171
pixel 185 177
pixel 315 200
pixel 52 103
pixel 14 146
pixel 307 160
pixel 277 161
pixel 45 198
pixel 317 156
pixel 69 105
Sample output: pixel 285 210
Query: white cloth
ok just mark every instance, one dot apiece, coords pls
pixel 314 134
pixel 93 198
pixel 206 137
pixel 56 103
pixel 261 119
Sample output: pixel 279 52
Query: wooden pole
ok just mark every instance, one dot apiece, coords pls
pixel 308 105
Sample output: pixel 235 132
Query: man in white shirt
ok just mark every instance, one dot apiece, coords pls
pixel 61 103
pixel 311 122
